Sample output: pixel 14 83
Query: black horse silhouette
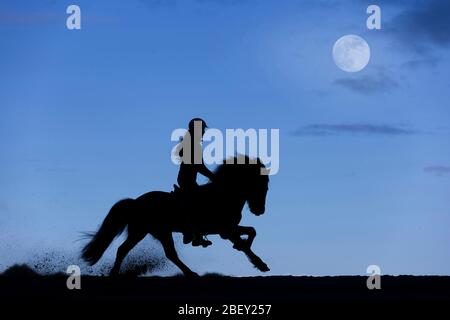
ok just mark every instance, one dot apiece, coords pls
pixel 214 208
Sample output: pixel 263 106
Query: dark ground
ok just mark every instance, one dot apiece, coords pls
pixel 166 294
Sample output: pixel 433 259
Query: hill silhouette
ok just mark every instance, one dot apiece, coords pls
pixel 22 282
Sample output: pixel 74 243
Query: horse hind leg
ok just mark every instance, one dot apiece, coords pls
pixel 171 254
pixel 131 241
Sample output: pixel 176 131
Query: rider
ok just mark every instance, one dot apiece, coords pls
pixel 191 164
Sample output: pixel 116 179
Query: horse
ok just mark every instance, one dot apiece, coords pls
pixel 213 208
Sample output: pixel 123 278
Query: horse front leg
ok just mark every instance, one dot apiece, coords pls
pixel 243 245
pixel 251 234
pixel 235 236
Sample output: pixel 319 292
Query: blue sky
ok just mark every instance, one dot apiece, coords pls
pixel 86 118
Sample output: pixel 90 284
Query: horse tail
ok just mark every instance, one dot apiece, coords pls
pixel 114 224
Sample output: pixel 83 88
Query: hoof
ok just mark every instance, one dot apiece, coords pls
pixel 260 265
pixel 265 268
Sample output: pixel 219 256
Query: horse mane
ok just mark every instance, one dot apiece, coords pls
pixel 239 166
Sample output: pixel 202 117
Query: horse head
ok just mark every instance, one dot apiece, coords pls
pixel 247 177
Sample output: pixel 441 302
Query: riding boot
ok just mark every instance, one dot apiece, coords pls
pixel 200 241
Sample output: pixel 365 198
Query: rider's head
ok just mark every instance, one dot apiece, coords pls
pixel 197 123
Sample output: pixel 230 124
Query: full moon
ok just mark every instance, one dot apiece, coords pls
pixel 351 53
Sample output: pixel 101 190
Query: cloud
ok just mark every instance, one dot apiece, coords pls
pixel 353 129
pixel 42 17
pixel 422 26
pixel 421 62
pixel 437 170
pixel 28 18
pixel 368 84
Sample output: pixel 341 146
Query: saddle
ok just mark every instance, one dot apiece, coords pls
pixel 183 197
